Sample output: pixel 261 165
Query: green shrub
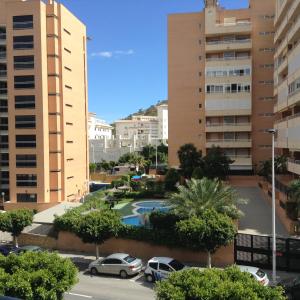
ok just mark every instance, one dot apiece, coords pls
pixel 163 220
pixel 172 178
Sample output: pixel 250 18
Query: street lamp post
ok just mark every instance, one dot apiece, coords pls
pixel 274 279
pixel 2 194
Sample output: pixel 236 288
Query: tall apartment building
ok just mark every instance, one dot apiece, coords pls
pixel 43 104
pixel 221 81
pixel 287 81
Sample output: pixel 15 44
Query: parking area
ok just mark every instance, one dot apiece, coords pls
pixel 257 217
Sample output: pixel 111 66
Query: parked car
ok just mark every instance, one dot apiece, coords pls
pixel 7 249
pixel 257 273
pixel 291 287
pixel 159 268
pixel 25 249
pixel 117 264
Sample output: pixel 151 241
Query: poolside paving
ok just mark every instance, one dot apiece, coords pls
pixel 257 217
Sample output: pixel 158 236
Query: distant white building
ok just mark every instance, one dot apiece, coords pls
pixel 163 128
pixel 98 129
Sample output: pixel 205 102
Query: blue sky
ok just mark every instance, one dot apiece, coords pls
pixel 127 57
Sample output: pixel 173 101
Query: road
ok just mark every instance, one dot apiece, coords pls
pixel 110 288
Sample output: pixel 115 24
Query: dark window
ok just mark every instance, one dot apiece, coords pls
pixel 25 101
pixel 25 141
pixel 3 88
pixel 23 22
pixel 24 82
pixel 26 197
pixel 2 33
pixel 3 141
pixel 153 265
pixel 3 106
pixel 26 161
pixel 112 261
pixel 3 123
pixel 4 177
pixel 24 62
pixel 23 42
pixel 26 180
pixel 4 159
pixel 25 121
pixel 165 267
pixel 176 265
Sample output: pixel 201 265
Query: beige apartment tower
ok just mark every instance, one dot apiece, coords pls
pixel 43 104
pixel 221 82
pixel 287 82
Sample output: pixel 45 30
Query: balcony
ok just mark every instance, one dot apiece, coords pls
pixel 228 61
pixel 229 28
pixel 226 45
pixel 294 166
pixel 293 29
pixel 2 39
pixel 241 160
pixel 3 74
pixel 236 143
pixel 233 127
pixel 3 56
pixel 282 7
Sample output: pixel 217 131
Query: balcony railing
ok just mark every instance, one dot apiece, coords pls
pixel 244 23
pixel 227 124
pixel 3 73
pixel 3 36
pixel 2 55
pixel 228 140
pixel 288 118
pixel 228 58
pixel 228 42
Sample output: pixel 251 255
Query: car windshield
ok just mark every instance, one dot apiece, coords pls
pixel 129 259
pixel 176 265
pixel 260 273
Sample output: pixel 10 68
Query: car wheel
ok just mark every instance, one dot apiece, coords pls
pixel 94 271
pixel 149 278
pixel 123 274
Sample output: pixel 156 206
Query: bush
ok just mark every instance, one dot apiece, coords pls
pixel 36 276
pixel 213 284
pixel 163 220
pixel 172 178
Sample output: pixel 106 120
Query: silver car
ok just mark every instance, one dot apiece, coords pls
pixel 117 264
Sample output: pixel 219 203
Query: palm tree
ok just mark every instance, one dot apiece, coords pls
pixel 138 161
pixel 200 195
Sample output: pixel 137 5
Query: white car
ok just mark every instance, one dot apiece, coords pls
pixel 159 268
pixel 257 273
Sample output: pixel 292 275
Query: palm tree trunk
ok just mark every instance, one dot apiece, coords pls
pixel 209 259
pixel 97 251
pixel 15 240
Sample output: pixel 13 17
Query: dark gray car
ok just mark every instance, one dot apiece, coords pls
pixel 121 264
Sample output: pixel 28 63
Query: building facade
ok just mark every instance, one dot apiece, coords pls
pixel 43 108
pixel 163 121
pixel 287 82
pixel 221 81
pixel 98 129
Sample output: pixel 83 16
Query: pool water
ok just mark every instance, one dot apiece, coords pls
pixel 144 207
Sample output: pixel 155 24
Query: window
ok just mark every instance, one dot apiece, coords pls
pixel 153 265
pixel 23 42
pixel 267 49
pixel 24 82
pixel 4 177
pixel 165 267
pixel 26 161
pixel 3 141
pixel 3 106
pixel 3 88
pixel 4 159
pixel 25 141
pixel 25 122
pixel 26 198
pixel 23 22
pixel 24 102
pixel 24 62
pixel 26 180
pixel 3 123
pixel 111 261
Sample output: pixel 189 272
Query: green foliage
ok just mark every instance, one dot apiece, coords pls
pixel 98 226
pixel 15 221
pixel 126 158
pixel 208 232
pixel 163 220
pixel 200 195
pixel 34 276
pixel 171 179
pixel 216 164
pixel 265 169
pixel 214 284
pixel 93 167
pixel 189 158
pixel 198 173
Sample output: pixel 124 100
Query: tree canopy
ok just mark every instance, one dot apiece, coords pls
pixel 15 221
pixel 215 284
pixel 207 232
pixel 199 195
pixel 33 276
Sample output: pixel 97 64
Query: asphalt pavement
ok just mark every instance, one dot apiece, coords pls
pixel 102 287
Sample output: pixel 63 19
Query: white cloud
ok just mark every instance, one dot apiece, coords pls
pixel 110 54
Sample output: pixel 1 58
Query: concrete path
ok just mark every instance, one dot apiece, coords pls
pixel 258 215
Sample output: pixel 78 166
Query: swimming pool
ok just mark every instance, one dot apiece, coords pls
pixel 142 208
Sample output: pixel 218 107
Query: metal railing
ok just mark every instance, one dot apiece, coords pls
pixel 227 124
pixel 227 58
pixel 229 140
pixel 244 23
pixel 228 42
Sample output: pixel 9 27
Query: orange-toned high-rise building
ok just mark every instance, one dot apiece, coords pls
pixel 43 104
pixel 221 70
